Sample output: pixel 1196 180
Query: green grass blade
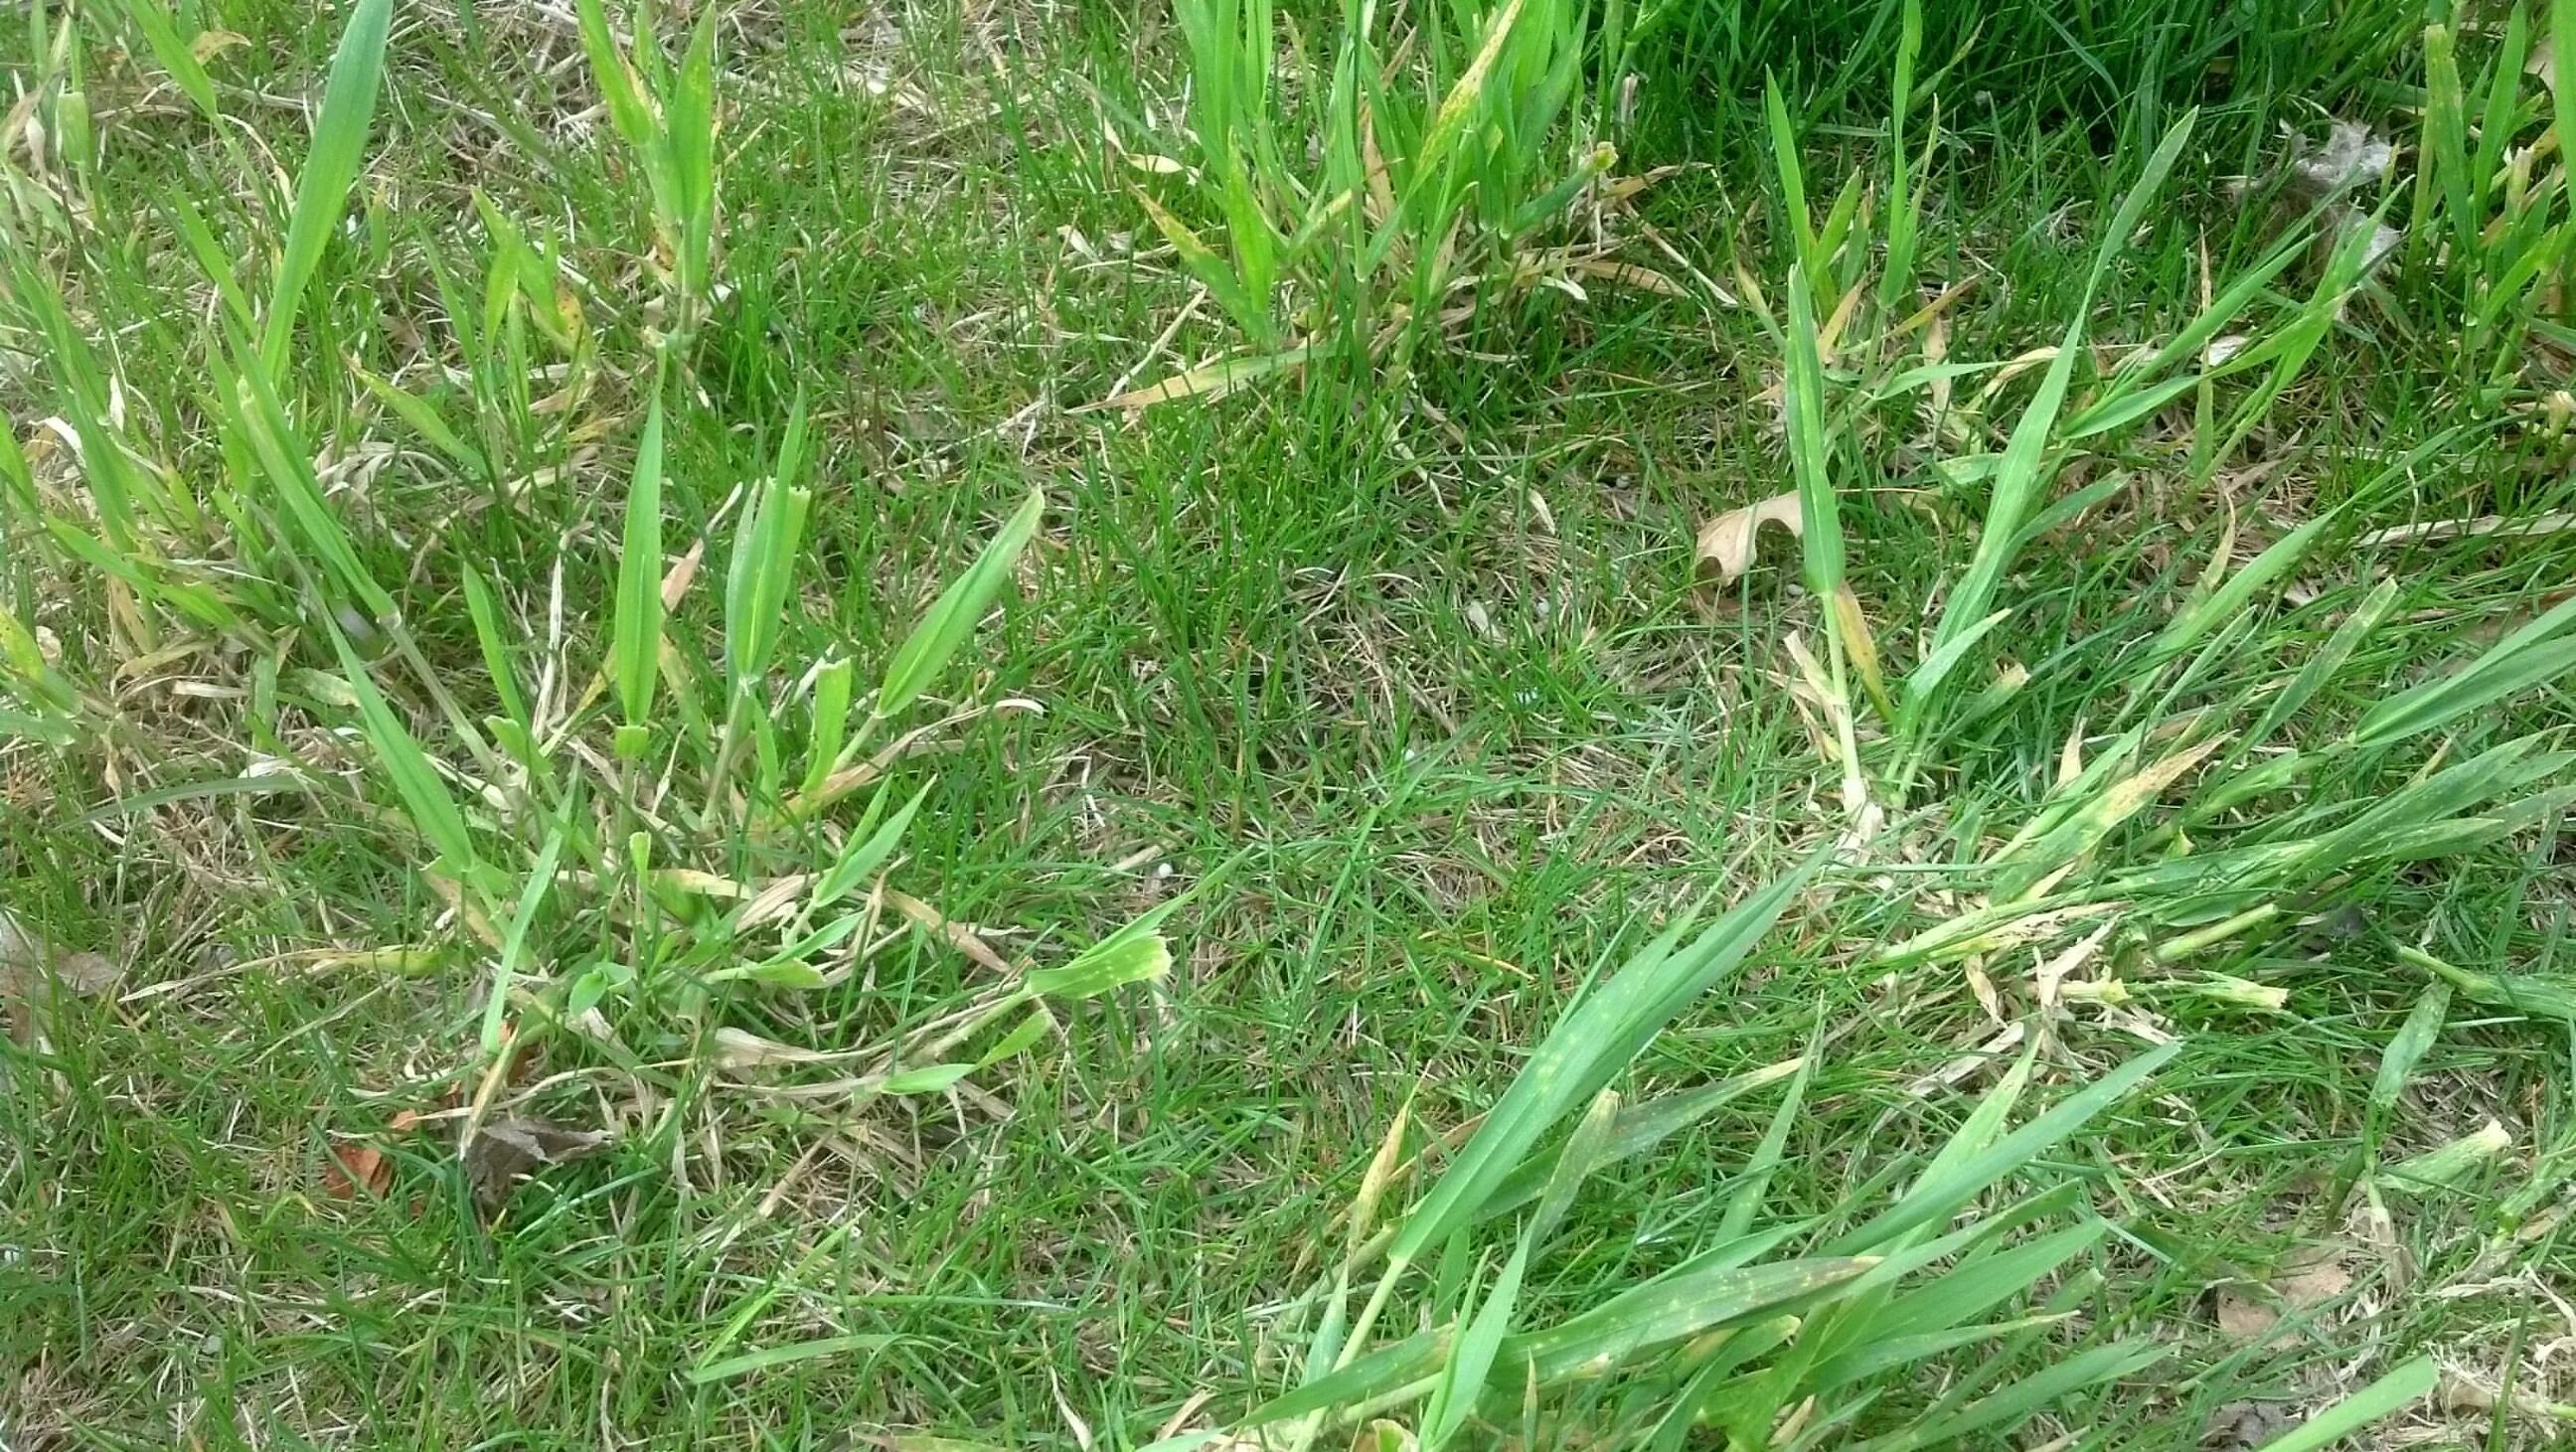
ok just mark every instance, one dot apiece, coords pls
pixel 1793 180
pixel 2323 666
pixel 834 681
pixel 514 942
pixel 1639 1128
pixel 619 88
pixel 433 811
pixel 953 616
pixel 2533 654
pixel 1946 1187
pixel 2229 600
pixel 2385 1397
pixel 289 467
pixel 1606 1028
pixel 1819 512
pixel 2562 98
pixel 1471 1356
pixel 2019 477
pixel 493 642
pixel 330 170
pixel 2133 204
pixel 2023 1399
pixel 1124 957
pixel 774 1357
pixel 1746 1202
pixel 416 411
pixel 870 845
pixel 2414 1039
pixel 161 32
pixel 636 632
pixel 762 569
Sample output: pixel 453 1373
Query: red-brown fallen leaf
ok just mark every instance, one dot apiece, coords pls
pixel 353 1165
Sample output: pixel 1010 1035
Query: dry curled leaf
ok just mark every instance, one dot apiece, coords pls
pixel 33 968
pixel 2243 1426
pixel 2310 1277
pixel 352 1166
pixel 507 1150
pixel 1726 542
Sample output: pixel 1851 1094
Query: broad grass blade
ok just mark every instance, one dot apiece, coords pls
pixel 514 943
pixel 1609 1026
pixel 424 796
pixel 1948 1185
pixel 2385 1397
pixel 330 169
pixel 636 636
pixel 926 651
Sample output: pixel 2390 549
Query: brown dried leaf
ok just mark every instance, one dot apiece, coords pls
pixel 2244 1426
pixel 2308 1278
pixel 353 1165
pixel 507 1150
pixel 1726 542
pixel 31 965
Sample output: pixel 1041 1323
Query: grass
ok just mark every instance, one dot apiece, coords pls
pixel 349 711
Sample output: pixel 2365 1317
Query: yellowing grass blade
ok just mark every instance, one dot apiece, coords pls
pixel 1208 381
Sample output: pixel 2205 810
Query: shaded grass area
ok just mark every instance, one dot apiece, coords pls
pixel 1436 667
